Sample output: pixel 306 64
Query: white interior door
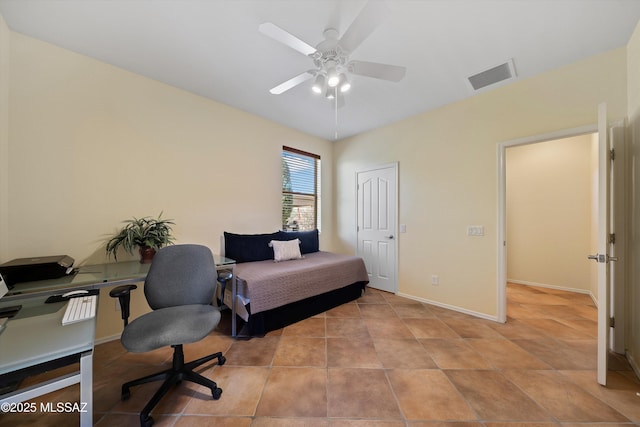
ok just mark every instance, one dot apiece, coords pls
pixel 602 257
pixel 377 224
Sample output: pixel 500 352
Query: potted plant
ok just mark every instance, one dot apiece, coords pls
pixel 148 234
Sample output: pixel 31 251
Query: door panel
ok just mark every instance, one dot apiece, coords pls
pixel 366 252
pixel 383 203
pixel 367 208
pixel 384 260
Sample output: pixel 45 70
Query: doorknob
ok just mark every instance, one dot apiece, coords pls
pixel 602 258
pixel 390 236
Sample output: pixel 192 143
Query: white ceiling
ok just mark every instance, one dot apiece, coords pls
pixel 213 47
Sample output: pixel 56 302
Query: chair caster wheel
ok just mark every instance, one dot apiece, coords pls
pixel 217 393
pixel 126 394
pixel 147 422
pixel 222 360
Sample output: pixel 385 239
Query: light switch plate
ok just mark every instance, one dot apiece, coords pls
pixel 475 230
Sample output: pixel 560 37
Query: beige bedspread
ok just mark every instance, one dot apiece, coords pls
pixel 270 284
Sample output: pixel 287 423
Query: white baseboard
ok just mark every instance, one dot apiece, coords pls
pixel 544 285
pixel 450 307
pixel 560 288
pixel 107 339
pixel 633 364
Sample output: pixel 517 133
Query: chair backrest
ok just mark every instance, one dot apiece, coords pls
pixel 180 275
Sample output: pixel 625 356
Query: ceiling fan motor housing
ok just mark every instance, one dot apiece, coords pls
pixel 329 53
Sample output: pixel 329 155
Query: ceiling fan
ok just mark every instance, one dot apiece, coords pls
pixel 331 56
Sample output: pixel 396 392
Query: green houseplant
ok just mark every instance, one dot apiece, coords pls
pixel 148 234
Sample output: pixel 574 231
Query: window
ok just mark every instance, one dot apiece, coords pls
pixel 300 190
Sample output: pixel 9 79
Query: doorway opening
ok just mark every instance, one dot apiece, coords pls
pixel 551 220
pixel 611 217
pixel 543 212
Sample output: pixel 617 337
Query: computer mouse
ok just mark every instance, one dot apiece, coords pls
pixel 72 293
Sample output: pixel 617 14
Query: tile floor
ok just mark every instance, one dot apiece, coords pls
pixel 383 361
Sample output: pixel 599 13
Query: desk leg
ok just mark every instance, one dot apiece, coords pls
pixel 234 294
pixel 86 388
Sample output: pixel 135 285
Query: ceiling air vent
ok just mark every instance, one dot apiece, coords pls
pixel 499 73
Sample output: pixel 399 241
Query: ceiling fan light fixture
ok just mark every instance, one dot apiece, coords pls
pixel 318 85
pixel 332 77
pixel 344 84
pixel 330 93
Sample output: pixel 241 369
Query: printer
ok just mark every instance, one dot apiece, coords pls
pixel 37 268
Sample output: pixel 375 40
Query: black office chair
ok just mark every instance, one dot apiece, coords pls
pixel 179 288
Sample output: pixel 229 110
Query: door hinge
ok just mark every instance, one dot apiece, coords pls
pixel 357 228
pixel 612 154
pixel 612 322
pixel 612 238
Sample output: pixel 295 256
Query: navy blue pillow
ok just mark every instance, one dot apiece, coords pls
pixel 249 247
pixel 309 240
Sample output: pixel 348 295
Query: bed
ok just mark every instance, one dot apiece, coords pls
pixel 272 294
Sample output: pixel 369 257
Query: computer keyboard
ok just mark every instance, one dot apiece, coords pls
pixel 79 309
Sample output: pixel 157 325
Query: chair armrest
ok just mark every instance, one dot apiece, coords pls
pixel 123 293
pixel 224 275
pixel 122 290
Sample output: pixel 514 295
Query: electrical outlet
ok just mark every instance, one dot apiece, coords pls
pixel 435 281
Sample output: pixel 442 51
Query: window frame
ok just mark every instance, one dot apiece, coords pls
pixel 316 185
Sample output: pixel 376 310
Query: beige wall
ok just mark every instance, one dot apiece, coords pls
pixel 91 145
pixel 448 173
pixel 4 137
pixel 549 213
pixel 633 292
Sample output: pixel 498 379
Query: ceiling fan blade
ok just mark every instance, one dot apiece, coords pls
pixel 295 81
pixel 372 15
pixel 286 38
pixel 393 73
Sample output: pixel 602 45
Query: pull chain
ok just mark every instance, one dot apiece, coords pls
pixel 335 98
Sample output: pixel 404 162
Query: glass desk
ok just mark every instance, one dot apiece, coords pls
pixel 95 277
pixel 35 340
pixel 86 277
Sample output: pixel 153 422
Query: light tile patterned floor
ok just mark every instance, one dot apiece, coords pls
pixel 384 361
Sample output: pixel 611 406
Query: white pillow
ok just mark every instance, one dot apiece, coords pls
pixel 285 250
